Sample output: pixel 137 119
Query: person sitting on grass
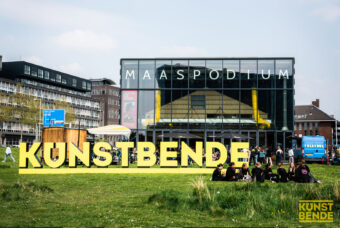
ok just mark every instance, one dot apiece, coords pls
pixel 257 173
pixel 217 174
pixel 291 171
pixel 269 175
pixel 303 174
pixel 231 173
pixel 244 172
pixel 283 176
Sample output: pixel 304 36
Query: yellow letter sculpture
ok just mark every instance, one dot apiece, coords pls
pixel 107 156
pixel 29 155
pixel 48 146
pixel 165 154
pixel 75 152
pixel 142 154
pixel 223 154
pixel 125 151
pixel 188 152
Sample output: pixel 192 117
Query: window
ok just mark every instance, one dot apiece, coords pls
pixel 310 128
pixel 74 82
pixel 198 102
pixel 316 125
pixel 58 78
pixel 88 86
pixel 305 128
pixel 103 91
pixel 46 75
pixel 63 81
pixel 84 85
pixel 34 73
pixel 52 79
pixel 27 70
pixel 40 73
pixel 300 126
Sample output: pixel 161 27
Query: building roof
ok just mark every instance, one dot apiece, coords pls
pixel 105 81
pixel 16 69
pixel 310 113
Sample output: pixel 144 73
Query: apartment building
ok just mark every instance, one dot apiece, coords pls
pixel 47 85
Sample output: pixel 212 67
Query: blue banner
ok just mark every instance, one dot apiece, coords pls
pixel 54 118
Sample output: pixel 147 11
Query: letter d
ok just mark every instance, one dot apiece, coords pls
pixel 223 152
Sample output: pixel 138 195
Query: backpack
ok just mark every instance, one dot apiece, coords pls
pixel 304 171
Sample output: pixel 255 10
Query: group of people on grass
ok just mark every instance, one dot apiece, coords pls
pixel 299 173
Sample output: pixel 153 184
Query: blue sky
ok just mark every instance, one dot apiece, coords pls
pixel 88 38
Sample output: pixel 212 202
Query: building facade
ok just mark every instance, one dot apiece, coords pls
pixel 105 90
pixel 310 120
pixel 207 96
pixel 48 86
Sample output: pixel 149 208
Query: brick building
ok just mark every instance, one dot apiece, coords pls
pixel 310 120
pixel 105 90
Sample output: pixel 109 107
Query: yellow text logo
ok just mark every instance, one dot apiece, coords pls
pixel 316 211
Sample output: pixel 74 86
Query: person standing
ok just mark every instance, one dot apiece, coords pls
pixel 291 155
pixel 269 156
pixel 262 155
pixel 279 154
pixel 8 153
pixel 256 153
pixel 252 156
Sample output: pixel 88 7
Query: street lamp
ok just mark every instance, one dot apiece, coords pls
pixel 39 130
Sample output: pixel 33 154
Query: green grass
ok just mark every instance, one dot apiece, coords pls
pixel 155 199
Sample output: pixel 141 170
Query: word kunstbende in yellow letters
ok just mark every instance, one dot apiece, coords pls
pixel 145 157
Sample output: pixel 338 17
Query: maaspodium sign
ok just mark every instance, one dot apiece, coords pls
pixel 146 157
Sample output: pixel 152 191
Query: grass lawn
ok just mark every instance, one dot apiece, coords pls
pixel 156 199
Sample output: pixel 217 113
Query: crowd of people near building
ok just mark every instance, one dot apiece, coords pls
pixel 265 155
pixel 298 172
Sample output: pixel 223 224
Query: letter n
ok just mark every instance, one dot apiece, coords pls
pixel 75 153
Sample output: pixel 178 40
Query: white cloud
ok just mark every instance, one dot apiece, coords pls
pixel 182 51
pixel 72 68
pixel 85 40
pixel 328 13
pixel 33 59
pixel 54 14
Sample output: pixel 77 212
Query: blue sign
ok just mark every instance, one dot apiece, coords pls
pixel 54 118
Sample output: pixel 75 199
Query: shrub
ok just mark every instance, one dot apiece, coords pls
pixel 19 191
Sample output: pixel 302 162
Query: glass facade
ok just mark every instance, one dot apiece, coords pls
pixel 252 96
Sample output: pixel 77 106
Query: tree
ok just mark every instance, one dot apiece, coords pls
pixel 69 111
pixel 6 111
pixel 24 109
